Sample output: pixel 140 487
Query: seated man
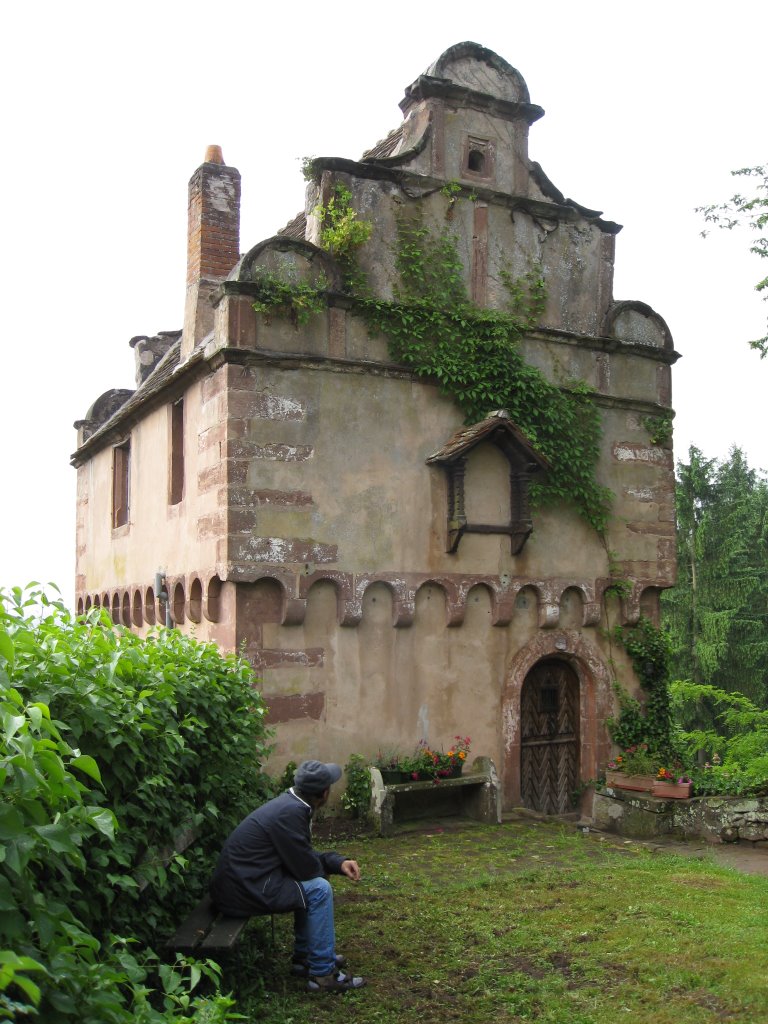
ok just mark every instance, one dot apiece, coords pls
pixel 268 866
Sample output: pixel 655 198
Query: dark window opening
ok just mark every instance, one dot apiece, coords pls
pixel 476 161
pixel 176 489
pixel 121 481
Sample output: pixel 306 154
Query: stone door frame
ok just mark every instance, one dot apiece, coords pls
pixel 595 704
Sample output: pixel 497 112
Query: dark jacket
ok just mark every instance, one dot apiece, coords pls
pixel 267 857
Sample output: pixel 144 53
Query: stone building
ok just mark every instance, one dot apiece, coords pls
pixel 279 483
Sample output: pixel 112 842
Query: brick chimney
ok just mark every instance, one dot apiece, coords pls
pixel 213 241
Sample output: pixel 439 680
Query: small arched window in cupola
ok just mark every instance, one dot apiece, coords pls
pixel 523 463
pixel 478 159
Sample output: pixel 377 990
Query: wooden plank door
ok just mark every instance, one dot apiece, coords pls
pixel 549 718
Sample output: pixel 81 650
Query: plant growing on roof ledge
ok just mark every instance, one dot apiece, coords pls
pixel 343 233
pixel 295 300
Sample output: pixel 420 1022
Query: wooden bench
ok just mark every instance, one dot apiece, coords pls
pixel 206 932
pixel 475 794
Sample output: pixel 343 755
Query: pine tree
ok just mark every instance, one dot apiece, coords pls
pixel 717 615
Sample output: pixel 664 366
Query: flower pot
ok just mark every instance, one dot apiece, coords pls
pixel 673 790
pixel 393 776
pixel 455 771
pixel 635 783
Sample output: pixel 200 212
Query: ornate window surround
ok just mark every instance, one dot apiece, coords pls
pixel 524 462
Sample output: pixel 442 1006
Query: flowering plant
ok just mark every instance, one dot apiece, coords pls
pixel 665 775
pixel 635 760
pixel 388 760
pixel 437 764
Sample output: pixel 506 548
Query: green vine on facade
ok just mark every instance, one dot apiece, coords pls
pixel 473 353
pixel 659 429
pixel 651 721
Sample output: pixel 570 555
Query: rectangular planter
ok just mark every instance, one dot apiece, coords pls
pixel 672 790
pixel 636 783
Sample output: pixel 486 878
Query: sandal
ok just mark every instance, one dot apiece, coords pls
pixel 334 982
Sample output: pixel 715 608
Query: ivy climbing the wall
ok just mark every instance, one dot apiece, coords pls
pixel 433 328
pixel 474 354
pixel 651 721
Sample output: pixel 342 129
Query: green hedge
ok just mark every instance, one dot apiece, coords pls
pixel 112 747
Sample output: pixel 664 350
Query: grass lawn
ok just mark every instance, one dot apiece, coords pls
pixel 529 922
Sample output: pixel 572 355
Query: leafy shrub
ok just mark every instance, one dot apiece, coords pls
pixel 737 754
pixel 112 747
pixel 356 798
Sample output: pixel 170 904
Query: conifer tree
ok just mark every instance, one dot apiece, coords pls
pixel 717 615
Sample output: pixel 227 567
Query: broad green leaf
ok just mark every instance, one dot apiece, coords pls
pixel 58 837
pixel 85 763
pixel 104 822
pixel 11 725
pixel 28 987
pixel 6 646
pixel 11 823
pixel 13 925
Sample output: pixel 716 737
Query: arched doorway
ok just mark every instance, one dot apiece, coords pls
pixel 549 737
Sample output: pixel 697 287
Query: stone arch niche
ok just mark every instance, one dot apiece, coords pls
pixel 212 600
pixel 259 608
pixel 584 662
pixel 431 602
pixel 650 604
pixel 195 613
pixel 178 605
pixel 527 601
pixel 150 608
pixel 322 610
pixel 571 608
pixel 137 613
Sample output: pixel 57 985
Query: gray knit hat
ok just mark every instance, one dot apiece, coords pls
pixel 315 776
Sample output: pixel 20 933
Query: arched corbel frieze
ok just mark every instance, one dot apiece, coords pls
pixel 342 584
pixel 212 599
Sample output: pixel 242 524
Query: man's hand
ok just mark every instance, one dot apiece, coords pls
pixel 351 869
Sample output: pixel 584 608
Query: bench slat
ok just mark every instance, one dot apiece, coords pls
pixel 205 930
pixel 194 928
pixel 223 933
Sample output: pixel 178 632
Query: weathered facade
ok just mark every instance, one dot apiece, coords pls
pixel 294 491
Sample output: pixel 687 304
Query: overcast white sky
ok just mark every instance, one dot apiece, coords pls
pixel 109 109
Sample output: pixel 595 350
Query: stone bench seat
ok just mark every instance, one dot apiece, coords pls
pixel 475 793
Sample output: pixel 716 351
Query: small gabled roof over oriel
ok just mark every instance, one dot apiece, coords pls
pixel 501 431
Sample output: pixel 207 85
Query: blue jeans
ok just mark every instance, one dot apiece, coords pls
pixel 314 935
